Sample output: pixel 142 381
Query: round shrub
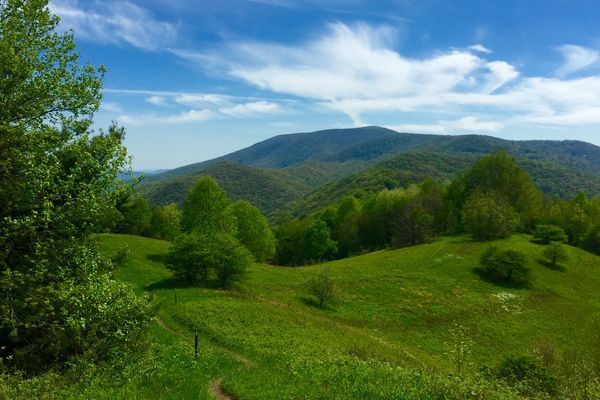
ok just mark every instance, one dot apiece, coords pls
pixel 546 234
pixel 504 266
pixel 527 375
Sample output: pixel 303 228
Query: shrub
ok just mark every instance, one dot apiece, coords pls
pixel 527 375
pixel 322 286
pixel 555 253
pixel 119 257
pixel 546 234
pixel 195 258
pixel 504 266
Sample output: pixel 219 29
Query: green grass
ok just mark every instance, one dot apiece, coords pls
pixel 387 336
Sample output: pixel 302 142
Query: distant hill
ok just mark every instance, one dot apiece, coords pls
pixel 330 163
pixel 268 189
pixel 409 168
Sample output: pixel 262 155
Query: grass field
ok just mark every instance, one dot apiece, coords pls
pixel 387 337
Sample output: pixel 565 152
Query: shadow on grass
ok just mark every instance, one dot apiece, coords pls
pixel 505 284
pixel 158 258
pixel 174 283
pixel 554 267
pixel 311 302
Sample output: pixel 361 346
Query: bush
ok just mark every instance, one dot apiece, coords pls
pixel 504 266
pixel 527 375
pixel 322 287
pixel 555 253
pixel 195 258
pixel 546 234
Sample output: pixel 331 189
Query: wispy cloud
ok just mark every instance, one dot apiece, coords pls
pixel 576 58
pixel 119 22
pixel 356 70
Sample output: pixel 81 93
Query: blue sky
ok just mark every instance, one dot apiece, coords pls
pixel 192 80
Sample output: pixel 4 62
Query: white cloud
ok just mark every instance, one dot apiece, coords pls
pixel 480 48
pixel 252 108
pixel 190 116
pixel 417 128
pixel 576 58
pixel 156 100
pixel 472 124
pixel 356 70
pixel 114 22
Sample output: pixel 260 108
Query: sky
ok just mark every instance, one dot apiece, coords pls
pixel 191 80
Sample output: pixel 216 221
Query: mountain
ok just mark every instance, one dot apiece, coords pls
pixel 311 168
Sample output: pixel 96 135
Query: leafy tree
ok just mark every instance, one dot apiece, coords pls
pixel 165 222
pixel 318 244
pixel 500 175
pixel 57 186
pixel 345 226
pixel 546 234
pixel 253 230
pixel 136 216
pixel 322 286
pixel 555 252
pixel 414 224
pixel 205 209
pixel 195 258
pixel 591 241
pixel 488 216
pixel 504 266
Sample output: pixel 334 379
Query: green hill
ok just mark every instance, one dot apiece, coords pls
pixel 312 169
pixel 387 337
pixel 409 168
pixel 268 189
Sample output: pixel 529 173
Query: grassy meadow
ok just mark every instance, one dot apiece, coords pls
pixel 387 336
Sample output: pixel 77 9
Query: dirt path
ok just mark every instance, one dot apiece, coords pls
pixel 216 389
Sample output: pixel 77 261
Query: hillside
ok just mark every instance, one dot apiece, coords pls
pixel 313 168
pixel 268 189
pixel 409 168
pixel 396 308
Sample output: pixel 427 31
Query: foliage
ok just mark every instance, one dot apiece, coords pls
pixel 165 222
pixel 321 285
pixel 555 253
pixel 546 234
pixel 196 258
pixel 136 217
pixel 591 242
pixel 253 230
pixel 304 242
pixel 488 216
pixel 57 186
pixel 206 209
pixel 460 348
pixel 504 266
pixel 527 375
pixel 497 176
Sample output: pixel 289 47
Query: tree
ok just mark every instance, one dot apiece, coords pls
pixel 57 185
pixel 253 230
pixel 546 234
pixel 555 252
pixel 165 222
pixel 345 226
pixel 504 266
pixel 136 216
pixel 591 242
pixel 488 216
pixel 195 258
pixel 498 173
pixel 317 243
pixel 205 209
pixel 322 286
